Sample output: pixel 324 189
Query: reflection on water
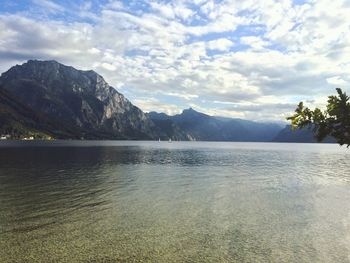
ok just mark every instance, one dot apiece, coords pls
pixel 179 202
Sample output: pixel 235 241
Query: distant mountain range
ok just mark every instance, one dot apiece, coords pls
pixel 46 99
pixel 207 128
pixel 303 135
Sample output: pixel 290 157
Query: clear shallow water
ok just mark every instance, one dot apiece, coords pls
pixel 178 202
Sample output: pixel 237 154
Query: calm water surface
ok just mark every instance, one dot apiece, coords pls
pixel 174 202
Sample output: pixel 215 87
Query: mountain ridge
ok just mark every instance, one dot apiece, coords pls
pixel 51 100
pixel 79 98
pixel 210 128
pixel 305 135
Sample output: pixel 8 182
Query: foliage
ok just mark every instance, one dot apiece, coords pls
pixel 334 121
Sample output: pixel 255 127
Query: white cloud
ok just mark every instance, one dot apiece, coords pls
pixel 185 96
pixel 336 80
pixel 271 53
pixel 183 12
pixel 94 51
pixel 208 7
pixel 222 44
pixel 152 104
pixel 165 10
pixel 108 66
pixel 254 42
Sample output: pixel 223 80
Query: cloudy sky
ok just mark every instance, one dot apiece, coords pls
pixel 250 59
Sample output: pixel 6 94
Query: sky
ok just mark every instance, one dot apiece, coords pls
pixel 248 59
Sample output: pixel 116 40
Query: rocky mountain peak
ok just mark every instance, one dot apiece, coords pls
pixel 58 77
pixel 191 114
pixel 76 97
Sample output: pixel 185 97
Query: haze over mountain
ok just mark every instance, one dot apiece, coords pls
pixel 301 135
pixel 48 99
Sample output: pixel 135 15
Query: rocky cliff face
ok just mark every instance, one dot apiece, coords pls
pixel 81 99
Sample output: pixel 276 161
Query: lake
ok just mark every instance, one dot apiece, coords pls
pixel 90 201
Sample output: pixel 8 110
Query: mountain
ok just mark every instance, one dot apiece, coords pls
pixel 289 135
pixel 169 127
pixel 255 131
pixel 76 100
pixel 46 99
pixel 301 135
pixel 203 127
pixel 18 120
